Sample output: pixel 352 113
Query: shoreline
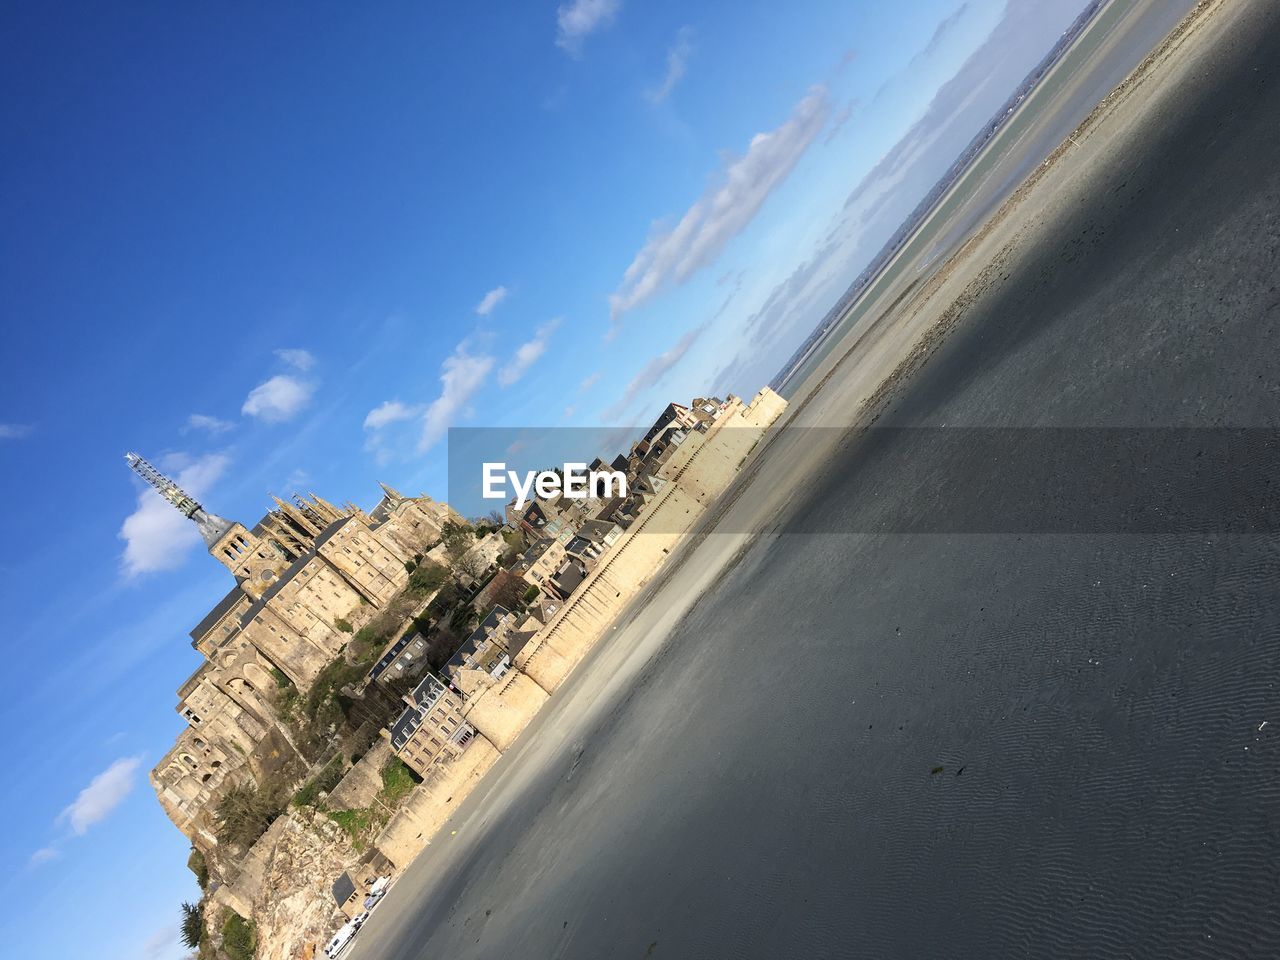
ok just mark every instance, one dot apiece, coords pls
pixel 921 295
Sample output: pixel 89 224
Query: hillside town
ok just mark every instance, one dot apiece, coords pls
pixel 366 670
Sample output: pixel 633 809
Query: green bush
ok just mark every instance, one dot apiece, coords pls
pixel 343 625
pixel 238 937
pixel 197 865
pixel 368 642
pixel 530 593
pixel 324 706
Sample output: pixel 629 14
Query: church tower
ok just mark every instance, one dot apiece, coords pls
pixel 255 561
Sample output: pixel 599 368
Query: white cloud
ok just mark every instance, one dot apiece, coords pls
pixel 588 382
pixel 14 431
pixel 100 798
pixel 677 63
pixel 43 855
pixel 527 354
pixel 389 411
pixel 578 19
pixel 673 256
pixel 201 421
pixel 279 399
pixel 156 536
pixel 569 411
pixel 491 300
pixel 462 374
pixel 302 360
pixel 652 373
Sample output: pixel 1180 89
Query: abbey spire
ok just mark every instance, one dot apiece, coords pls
pixel 253 560
pixel 212 527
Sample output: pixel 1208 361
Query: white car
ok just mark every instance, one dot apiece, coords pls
pixel 340 939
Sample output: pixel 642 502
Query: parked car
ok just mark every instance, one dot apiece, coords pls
pixel 377 891
pixel 340 939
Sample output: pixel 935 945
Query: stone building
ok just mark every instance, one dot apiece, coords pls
pixel 431 727
pixel 490 648
pixel 540 561
pixel 305 567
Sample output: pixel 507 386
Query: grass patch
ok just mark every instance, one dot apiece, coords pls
pixel 397 781
pixel 355 823
pixel 239 939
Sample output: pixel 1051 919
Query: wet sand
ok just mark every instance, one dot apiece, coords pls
pixel 959 745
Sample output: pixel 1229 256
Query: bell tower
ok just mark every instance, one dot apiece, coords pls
pixel 254 561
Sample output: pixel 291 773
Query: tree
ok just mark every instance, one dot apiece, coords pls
pixel 471 564
pixel 508 590
pixel 192 924
pixel 496 518
pixel 461 619
pixel 428 577
pixel 456 538
pixel 441 645
pixel 444 600
pixel 244 813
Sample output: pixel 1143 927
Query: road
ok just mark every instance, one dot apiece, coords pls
pixel 831 740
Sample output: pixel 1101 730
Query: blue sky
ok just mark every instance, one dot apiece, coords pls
pixel 286 246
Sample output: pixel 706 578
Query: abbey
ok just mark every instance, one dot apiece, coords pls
pixel 303 574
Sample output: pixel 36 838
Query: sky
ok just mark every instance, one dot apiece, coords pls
pixel 285 247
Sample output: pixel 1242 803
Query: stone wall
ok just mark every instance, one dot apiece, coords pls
pixel 499 709
pixel 433 801
pixel 363 781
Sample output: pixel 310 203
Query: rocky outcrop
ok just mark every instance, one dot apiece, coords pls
pixel 285 884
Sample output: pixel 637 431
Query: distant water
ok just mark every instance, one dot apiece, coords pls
pixel 1117 41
